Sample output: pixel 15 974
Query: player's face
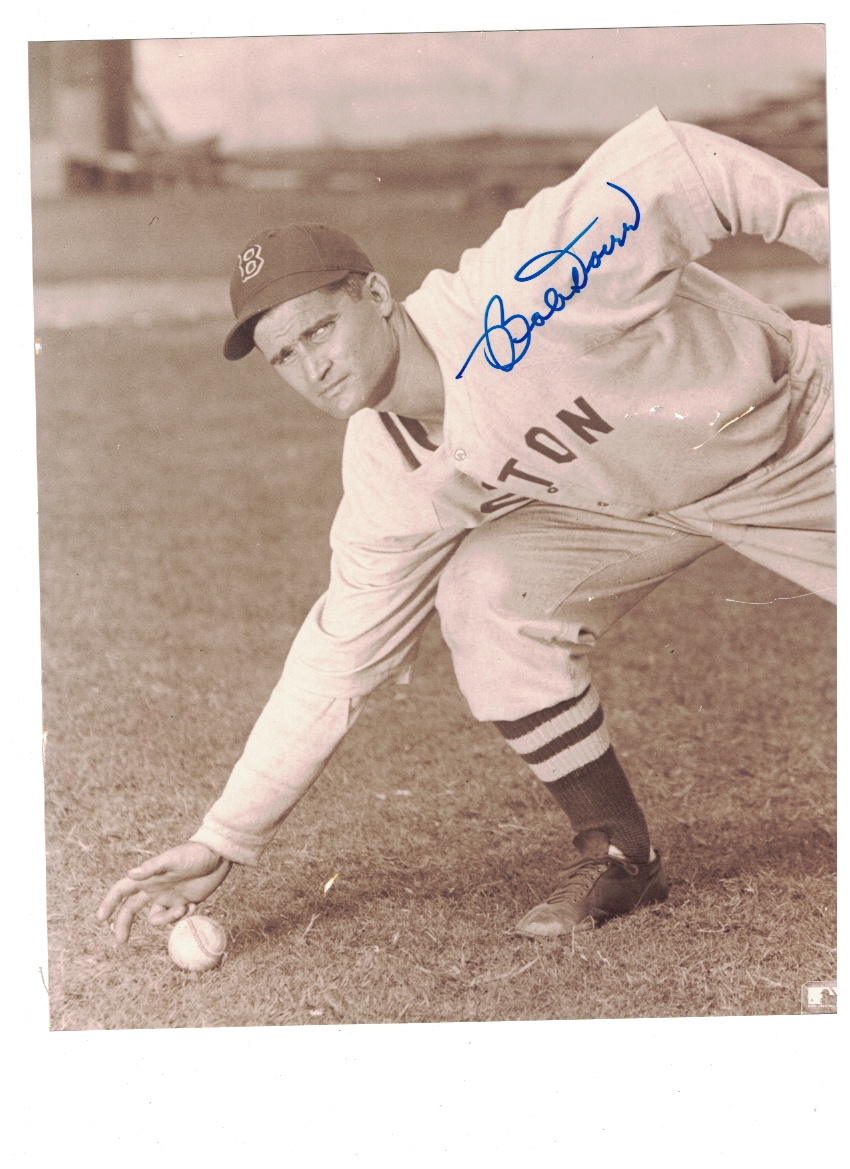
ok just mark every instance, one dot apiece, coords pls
pixel 337 352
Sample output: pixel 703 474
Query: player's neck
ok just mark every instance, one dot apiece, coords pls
pixel 417 390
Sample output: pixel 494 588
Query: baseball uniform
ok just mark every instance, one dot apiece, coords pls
pixel 613 410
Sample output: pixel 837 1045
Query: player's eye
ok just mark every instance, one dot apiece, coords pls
pixel 321 331
pixel 282 357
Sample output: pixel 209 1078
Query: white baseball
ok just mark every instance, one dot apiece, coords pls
pixel 197 943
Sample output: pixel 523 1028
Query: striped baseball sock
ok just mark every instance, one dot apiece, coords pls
pixel 567 746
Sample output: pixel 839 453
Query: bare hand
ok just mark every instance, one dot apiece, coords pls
pixel 171 885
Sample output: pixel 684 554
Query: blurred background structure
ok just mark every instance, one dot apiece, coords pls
pixel 153 160
pixel 511 110
pixel 93 129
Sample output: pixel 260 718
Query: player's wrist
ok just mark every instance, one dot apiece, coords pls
pixel 235 851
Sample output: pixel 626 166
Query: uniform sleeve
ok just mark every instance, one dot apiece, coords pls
pixel 388 554
pixel 389 551
pixel 604 251
pixel 287 750
pixel 755 194
pixel 364 631
pixel 366 628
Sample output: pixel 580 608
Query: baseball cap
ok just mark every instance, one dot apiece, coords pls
pixel 281 263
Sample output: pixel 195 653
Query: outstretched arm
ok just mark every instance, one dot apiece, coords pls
pixel 291 742
pixel 287 750
pixel 363 632
pixel 756 194
pixel 614 239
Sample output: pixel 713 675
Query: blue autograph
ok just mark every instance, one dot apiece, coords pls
pixel 496 324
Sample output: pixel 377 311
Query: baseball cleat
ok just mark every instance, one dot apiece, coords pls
pixel 593 890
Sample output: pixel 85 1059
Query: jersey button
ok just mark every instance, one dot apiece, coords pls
pixel 460 455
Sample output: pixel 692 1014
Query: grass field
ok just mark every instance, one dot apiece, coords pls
pixel 185 504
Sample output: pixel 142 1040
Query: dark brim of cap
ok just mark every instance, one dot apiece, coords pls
pixel 240 340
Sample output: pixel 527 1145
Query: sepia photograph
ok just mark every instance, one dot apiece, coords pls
pixel 436 526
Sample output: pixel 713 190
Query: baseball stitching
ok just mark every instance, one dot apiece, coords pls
pixel 197 936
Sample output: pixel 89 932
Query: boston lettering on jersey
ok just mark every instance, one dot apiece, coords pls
pixel 545 442
pixel 417 432
pixel 500 502
pixel 540 439
pixel 512 335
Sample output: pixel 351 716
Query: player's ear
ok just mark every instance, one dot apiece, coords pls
pixel 377 288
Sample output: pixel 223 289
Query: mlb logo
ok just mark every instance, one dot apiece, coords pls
pixel 819 998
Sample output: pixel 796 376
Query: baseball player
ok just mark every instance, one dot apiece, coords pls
pixel 535 443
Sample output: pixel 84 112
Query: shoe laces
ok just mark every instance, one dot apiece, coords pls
pixel 579 878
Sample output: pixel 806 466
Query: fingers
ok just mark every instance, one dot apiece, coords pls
pixel 124 920
pixel 165 914
pixel 158 914
pixel 190 858
pixel 155 867
pixel 166 882
pixel 115 896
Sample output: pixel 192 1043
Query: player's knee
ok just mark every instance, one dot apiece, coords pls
pixel 476 584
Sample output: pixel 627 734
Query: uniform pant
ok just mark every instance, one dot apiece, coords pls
pixel 526 597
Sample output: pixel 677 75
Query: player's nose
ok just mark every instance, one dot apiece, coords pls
pixel 317 366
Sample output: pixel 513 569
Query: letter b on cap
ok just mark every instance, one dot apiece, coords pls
pixel 250 262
